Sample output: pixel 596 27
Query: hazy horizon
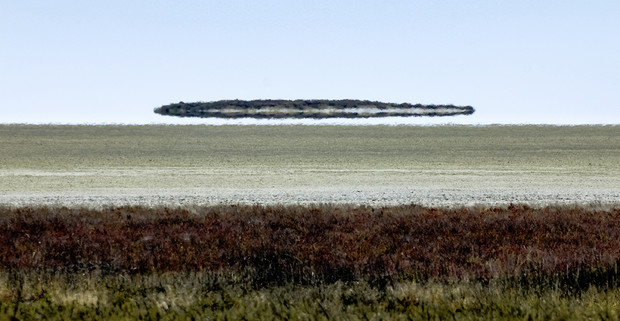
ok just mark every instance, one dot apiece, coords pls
pixel 526 62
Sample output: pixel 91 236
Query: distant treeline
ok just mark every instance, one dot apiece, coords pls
pixel 307 109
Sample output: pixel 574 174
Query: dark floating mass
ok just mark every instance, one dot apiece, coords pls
pixel 316 109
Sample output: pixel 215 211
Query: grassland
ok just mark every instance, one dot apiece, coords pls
pixel 320 262
pixel 202 296
pixel 190 239
pixel 377 165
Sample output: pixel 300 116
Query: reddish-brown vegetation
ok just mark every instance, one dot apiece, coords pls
pixel 320 243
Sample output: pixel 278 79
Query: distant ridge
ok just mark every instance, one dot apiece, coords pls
pixel 307 109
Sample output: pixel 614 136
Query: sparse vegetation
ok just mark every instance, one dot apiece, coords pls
pixel 216 296
pixel 91 260
pixel 307 109
pixel 372 165
pixel 312 244
pixel 320 261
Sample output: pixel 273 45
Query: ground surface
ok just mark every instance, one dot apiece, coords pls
pixel 374 165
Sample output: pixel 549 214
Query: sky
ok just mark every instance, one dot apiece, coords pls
pixel 516 62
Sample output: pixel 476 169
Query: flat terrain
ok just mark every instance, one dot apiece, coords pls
pixel 327 261
pixel 374 165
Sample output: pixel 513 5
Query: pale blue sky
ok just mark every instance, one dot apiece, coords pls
pixel 554 62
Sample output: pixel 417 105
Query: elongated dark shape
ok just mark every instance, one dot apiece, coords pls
pixel 316 109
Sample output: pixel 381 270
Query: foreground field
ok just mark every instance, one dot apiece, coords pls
pixel 314 244
pixel 203 296
pixel 318 262
pixel 373 165
pixel 185 222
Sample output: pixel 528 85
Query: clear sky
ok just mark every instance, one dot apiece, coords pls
pixel 525 61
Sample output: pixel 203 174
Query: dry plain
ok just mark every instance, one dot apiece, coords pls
pixel 375 165
pixel 309 262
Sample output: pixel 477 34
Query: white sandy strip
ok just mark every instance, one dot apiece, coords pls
pixel 375 187
pixel 376 196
